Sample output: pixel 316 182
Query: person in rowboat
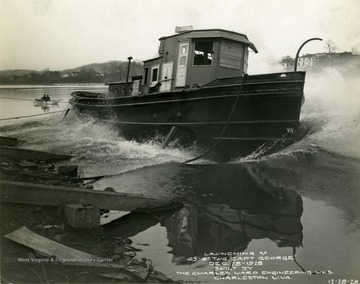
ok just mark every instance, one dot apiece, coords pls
pixel 45 98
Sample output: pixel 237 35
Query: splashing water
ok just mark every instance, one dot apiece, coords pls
pixel 331 113
pixel 96 148
pixel 333 108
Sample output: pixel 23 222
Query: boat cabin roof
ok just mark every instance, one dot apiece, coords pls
pixel 214 33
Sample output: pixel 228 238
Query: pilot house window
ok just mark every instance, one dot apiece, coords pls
pixel 154 75
pixel 203 53
pixel 146 75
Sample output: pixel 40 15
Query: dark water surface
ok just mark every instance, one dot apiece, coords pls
pixel 292 217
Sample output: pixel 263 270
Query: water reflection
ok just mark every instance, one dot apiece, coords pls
pixel 231 214
pixel 226 207
pixel 248 207
pixel 45 106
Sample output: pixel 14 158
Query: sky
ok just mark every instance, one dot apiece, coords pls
pixel 62 34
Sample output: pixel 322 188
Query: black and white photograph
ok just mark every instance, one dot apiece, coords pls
pixel 162 141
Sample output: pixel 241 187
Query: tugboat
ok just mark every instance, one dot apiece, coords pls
pixel 198 89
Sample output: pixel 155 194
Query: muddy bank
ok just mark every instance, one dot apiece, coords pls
pixel 104 242
pixel 110 243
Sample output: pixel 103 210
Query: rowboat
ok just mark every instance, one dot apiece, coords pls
pixel 39 102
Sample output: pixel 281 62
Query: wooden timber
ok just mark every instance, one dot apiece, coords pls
pixel 18 154
pixel 46 246
pixel 9 141
pixel 64 255
pixel 41 194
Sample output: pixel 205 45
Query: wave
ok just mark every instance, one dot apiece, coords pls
pixel 333 109
pixel 93 142
pixel 330 117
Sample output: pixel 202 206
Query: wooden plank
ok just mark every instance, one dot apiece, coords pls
pixel 40 194
pixel 112 215
pixel 18 154
pixel 68 256
pixel 48 247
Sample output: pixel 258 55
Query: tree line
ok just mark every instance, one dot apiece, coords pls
pixel 113 71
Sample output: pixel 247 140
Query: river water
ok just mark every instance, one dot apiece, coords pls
pixel 293 216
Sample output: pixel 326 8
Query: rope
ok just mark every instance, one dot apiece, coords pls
pixel 7 98
pixel 16 99
pixel 294 254
pixel 225 125
pixel 25 116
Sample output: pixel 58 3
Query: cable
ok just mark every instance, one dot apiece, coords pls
pixel 16 99
pixel 225 125
pixel 27 100
pixel 294 254
pixel 17 117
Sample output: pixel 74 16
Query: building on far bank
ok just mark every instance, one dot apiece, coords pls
pixel 288 63
pixel 318 61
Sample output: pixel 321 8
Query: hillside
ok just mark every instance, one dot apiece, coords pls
pixel 16 72
pixel 90 73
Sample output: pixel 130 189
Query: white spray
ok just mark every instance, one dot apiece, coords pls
pixel 333 106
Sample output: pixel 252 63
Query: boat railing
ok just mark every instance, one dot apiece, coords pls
pixel 261 78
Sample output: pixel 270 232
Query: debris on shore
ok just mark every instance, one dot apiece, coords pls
pixel 51 229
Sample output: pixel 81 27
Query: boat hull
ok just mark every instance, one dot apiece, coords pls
pixel 242 113
pixel 38 102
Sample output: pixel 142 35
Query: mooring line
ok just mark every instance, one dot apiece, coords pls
pixel 27 100
pixel 7 98
pixel 225 125
pixel 25 116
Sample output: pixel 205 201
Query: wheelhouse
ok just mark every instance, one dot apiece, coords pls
pixel 192 58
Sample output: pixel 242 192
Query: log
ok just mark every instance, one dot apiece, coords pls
pixel 9 141
pixel 41 194
pixel 18 154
